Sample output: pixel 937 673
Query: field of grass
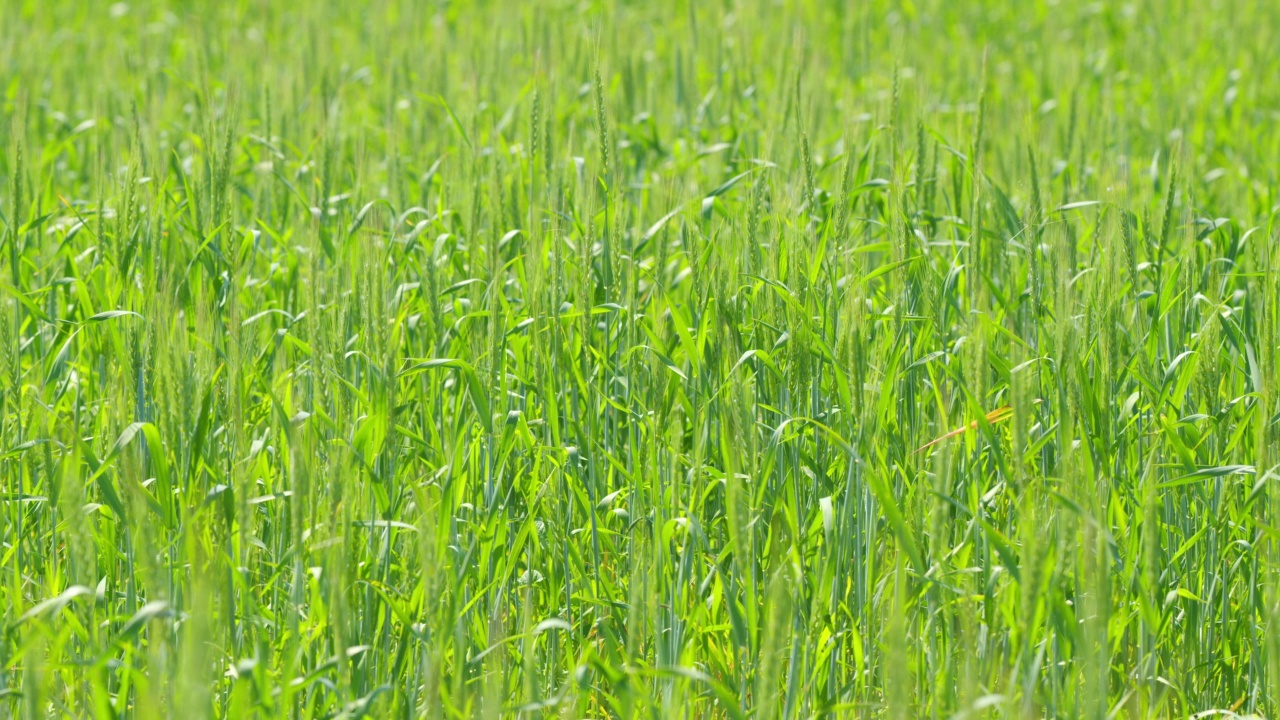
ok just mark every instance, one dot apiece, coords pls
pixel 758 359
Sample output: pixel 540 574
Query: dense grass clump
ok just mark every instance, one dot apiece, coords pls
pixel 639 359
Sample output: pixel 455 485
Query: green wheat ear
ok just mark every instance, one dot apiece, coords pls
pixel 797 371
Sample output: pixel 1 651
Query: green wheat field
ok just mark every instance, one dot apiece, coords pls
pixel 741 359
